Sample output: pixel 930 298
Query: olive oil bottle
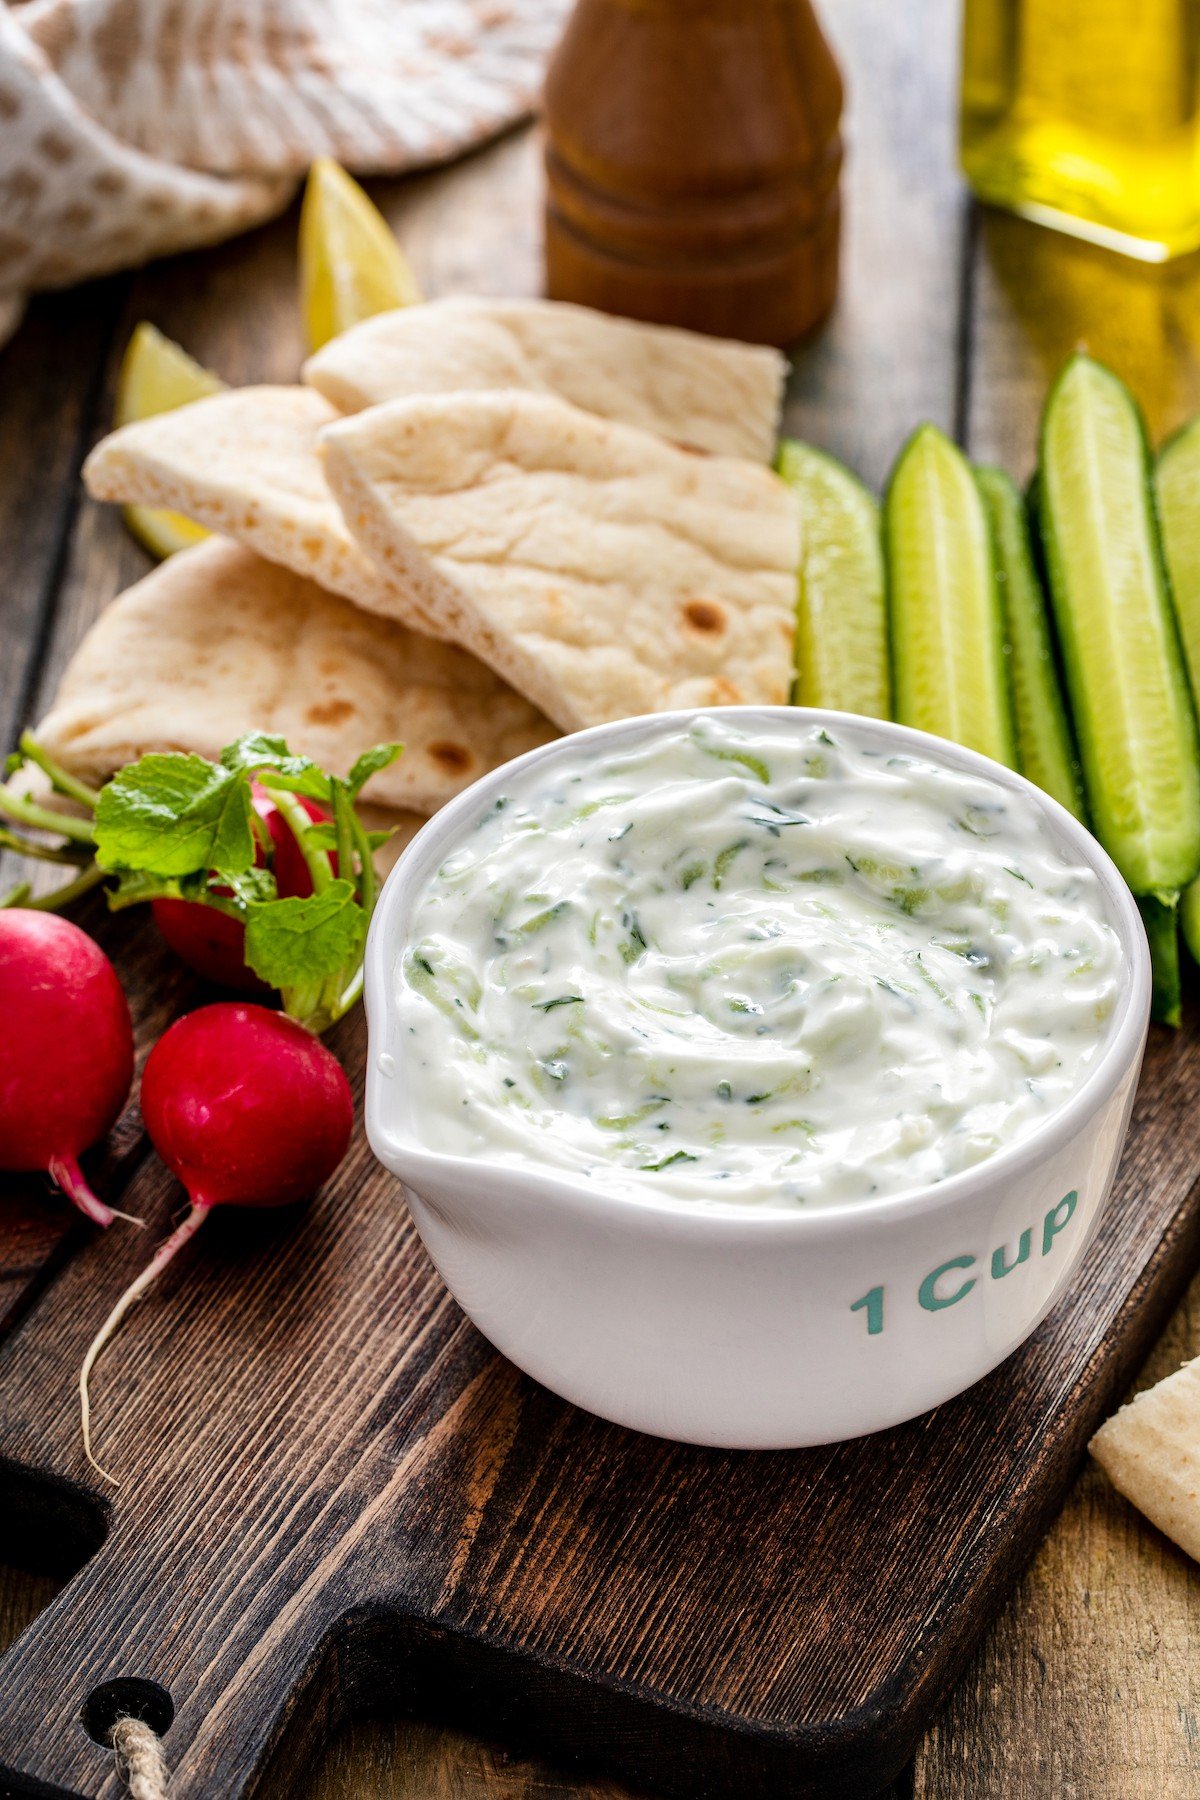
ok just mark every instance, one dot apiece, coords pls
pixel 1085 114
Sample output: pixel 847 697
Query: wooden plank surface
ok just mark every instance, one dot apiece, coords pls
pixel 892 356
pixel 1088 1685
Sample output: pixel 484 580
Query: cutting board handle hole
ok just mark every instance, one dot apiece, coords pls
pixel 128 1697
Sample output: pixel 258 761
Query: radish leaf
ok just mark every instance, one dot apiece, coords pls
pixel 294 941
pixel 174 826
pixel 381 756
pixel 245 885
pixel 175 814
pixel 258 753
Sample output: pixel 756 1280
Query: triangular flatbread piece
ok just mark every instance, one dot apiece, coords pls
pixel 708 393
pixel 245 464
pixel 1150 1451
pixel 601 570
pixel 217 642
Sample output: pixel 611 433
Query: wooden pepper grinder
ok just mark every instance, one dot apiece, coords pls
pixel 692 163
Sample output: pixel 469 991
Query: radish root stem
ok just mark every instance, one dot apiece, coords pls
pixel 71 1179
pixel 67 1174
pixel 166 1252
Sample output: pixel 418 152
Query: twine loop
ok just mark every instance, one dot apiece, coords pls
pixel 140 1764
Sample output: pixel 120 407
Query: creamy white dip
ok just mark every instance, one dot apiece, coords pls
pixel 761 965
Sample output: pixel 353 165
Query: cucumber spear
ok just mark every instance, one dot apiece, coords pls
pixel 1045 749
pixel 1124 669
pixel 1177 481
pixel 841 606
pixel 949 669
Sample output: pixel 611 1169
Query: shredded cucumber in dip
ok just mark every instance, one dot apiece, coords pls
pixel 769 965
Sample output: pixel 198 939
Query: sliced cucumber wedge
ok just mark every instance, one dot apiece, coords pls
pixel 1125 674
pixel 949 669
pixel 1124 666
pixel 841 604
pixel 1177 480
pixel 1045 748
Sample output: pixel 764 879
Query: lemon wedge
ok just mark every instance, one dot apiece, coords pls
pixel 351 266
pixel 157 376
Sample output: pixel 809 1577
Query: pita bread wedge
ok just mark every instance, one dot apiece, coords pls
pixel 708 393
pixel 245 464
pixel 600 570
pixel 1150 1451
pixel 217 642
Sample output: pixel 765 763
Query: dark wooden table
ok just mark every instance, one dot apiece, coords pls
pixel 1088 1685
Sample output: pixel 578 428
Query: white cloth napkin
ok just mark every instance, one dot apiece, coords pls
pixel 133 128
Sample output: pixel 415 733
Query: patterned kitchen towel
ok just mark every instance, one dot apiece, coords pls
pixel 133 128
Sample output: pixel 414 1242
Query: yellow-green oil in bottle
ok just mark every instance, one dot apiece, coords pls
pixel 1085 114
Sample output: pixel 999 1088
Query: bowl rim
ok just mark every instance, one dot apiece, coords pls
pixel 411 1160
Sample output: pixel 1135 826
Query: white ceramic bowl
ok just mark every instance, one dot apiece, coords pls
pixel 750 1327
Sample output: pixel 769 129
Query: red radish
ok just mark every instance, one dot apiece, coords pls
pixel 292 873
pixel 247 1108
pixel 66 1050
pixel 211 942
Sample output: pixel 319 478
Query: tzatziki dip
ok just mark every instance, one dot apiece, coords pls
pixel 761 962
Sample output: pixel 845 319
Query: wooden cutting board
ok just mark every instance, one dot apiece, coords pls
pixel 337 1499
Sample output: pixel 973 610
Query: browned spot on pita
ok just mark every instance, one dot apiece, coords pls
pixel 77 216
pixel 109 181
pixel 55 148
pixel 22 184
pixel 454 758
pixel 329 712
pixel 725 693
pixel 706 616
pixel 10 104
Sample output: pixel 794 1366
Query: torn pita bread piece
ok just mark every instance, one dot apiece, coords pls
pixel 707 393
pixel 245 464
pixel 216 642
pixel 600 570
pixel 1150 1451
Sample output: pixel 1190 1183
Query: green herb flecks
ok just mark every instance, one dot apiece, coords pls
pixel 635 943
